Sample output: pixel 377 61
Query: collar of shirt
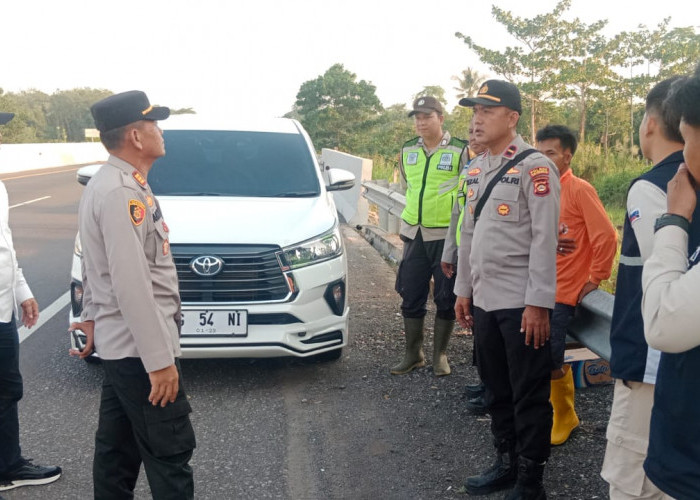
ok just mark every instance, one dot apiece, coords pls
pixel 443 142
pixel 129 169
pixel 566 176
pixel 516 145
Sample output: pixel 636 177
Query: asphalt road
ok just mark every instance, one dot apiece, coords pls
pixel 278 428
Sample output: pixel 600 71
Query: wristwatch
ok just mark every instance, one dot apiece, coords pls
pixel 672 220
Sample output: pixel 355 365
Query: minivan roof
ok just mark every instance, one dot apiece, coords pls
pixel 199 122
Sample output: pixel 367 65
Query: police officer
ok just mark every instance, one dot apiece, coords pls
pixel 475 392
pixel 430 166
pixel 506 269
pixel 131 308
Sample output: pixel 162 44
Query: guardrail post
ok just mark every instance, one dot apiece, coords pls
pixel 382 212
pixel 394 221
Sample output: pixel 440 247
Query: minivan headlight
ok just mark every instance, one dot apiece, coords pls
pixel 78 246
pixel 324 247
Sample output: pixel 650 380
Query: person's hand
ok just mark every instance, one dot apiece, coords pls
pixel 164 385
pixel 463 312
pixel 30 312
pixel 447 269
pixel 681 196
pixel 566 246
pixel 88 328
pixel 587 288
pixel 535 325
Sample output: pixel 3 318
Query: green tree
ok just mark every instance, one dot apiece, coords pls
pixel 434 90
pixel 534 62
pixel 468 83
pixel 334 107
pixel 69 112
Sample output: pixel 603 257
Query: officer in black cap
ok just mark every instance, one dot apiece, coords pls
pixel 505 287
pixel 131 308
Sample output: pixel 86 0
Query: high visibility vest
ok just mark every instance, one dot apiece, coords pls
pixel 432 182
pixel 462 190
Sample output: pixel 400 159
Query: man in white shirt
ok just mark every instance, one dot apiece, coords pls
pixel 15 471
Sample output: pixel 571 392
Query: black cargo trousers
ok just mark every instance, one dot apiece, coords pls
pixel 517 378
pixel 131 430
pixel 420 263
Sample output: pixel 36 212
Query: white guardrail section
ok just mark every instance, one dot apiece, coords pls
pixel 591 325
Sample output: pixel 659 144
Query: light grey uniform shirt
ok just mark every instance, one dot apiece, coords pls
pixel 508 260
pixel 428 233
pixel 129 277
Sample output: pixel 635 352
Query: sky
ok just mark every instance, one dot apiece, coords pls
pixel 249 58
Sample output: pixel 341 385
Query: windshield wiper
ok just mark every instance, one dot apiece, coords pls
pixel 189 193
pixel 295 194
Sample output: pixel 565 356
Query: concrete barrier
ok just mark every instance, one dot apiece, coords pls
pixel 21 157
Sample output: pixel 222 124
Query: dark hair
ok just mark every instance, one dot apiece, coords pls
pixel 684 100
pixel 564 134
pixel 113 139
pixel 658 103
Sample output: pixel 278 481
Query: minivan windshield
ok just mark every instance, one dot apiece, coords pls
pixel 234 163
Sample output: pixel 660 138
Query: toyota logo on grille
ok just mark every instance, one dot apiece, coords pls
pixel 207 265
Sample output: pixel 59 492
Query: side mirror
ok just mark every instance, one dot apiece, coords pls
pixel 339 179
pixel 84 174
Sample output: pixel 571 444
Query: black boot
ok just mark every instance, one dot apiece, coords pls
pixel 500 476
pixel 476 405
pixel 474 390
pixel 529 485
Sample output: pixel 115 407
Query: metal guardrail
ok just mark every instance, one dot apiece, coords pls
pixel 591 324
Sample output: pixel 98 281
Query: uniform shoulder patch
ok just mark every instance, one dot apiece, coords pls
pixel 534 172
pixel 139 178
pixel 137 212
pixel 510 152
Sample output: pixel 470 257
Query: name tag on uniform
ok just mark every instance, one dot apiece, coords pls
pixel 412 159
pixel 445 162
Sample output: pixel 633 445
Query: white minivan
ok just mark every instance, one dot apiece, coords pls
pixel 255 237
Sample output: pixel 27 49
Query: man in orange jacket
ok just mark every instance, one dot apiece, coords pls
pixel 587 246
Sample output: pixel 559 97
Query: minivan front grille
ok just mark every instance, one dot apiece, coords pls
pixel 251 273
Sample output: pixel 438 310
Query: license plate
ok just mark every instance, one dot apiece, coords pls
pixel 204 322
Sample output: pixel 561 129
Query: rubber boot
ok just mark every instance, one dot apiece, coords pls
pixel 443 330
pixel 562 398
pixel 529 485
pixel 500 476
pixel 414 357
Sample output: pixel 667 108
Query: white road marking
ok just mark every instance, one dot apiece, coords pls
pixel 30 201
pixel 40 174
pixel 46 315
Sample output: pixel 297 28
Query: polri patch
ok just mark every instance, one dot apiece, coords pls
pixel 139 178
pixel 165 227
pixel 446 168
pixel 510 152
pixel 503 209
pixel 412 159
pixel 541 185
pixel 137 212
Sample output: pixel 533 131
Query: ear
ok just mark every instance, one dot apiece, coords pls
pixel 513 118
pixel 567 158
pixel 133 136
pixel 652 125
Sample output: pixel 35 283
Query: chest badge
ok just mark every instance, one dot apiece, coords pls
pixel 503 209
pixel 412 158
pixel 474 171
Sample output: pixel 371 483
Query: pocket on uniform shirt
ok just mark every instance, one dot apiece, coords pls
pixel 169 430
pixel 504 210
